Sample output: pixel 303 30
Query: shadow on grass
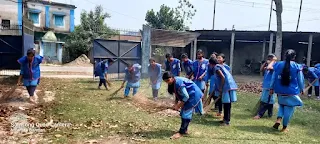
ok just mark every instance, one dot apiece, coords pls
pixel 206 119
pixel 258 129
pixel 115 98
pixel 156 134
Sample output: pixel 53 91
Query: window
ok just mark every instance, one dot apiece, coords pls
pixel 5 23
pixel 59 20
pixel 34 17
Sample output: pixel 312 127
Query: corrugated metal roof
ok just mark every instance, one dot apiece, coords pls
pixel 170 38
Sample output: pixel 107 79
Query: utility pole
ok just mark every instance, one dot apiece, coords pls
pixel 270 15
pixel 299 16
pixel 214 13
pixel 22 31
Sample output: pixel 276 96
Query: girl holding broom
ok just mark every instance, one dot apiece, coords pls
pixel 267 100
pixel 287 82
pixel 227 89
pixel 188 100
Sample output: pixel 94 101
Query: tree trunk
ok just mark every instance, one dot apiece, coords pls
pixel 278 48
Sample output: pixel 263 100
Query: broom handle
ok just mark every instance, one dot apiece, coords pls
pixel 308 87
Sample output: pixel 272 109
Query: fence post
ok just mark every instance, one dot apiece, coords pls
pixel 145 49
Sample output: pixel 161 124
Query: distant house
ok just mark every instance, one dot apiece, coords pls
pixel 52 23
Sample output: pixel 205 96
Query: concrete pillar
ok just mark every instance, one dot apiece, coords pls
pixel 271 43
pixel 145 50
pixel 309 49
pixel 191 51
pixel 59 54
pixel 263 49
pixel 231 50
pixel 194 51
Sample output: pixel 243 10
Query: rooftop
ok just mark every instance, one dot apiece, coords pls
pixel 53 3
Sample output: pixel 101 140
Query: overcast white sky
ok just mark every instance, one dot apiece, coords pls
pixel 244 14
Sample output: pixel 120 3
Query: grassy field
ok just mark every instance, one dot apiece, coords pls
pixel 95 115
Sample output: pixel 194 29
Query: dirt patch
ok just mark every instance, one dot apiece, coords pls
pixel 159 107
pixel 82 60
pixel 251 87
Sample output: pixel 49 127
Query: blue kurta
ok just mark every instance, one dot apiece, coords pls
pixel 133 77
pixel 229 88
pixel 101 69
pixel 311 76
pixel 188 92
pixel 199 68
pixel 288 95
pixel 30 71
pixel 155 75
pixel 187 66
pixel 227 67
pixel 173 67
pixel 265 95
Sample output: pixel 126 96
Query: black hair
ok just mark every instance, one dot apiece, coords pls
pixel 285 75
pixel 165 76
pixel 223 56
pixel 271 56
pixel 213 61
pixel 152 59
pixel 215 53
pixel 305 68
pixel 110 60
pixel 169 55
pixel 184 56
pixel 200 51
pixel 129 65
pixel 31 51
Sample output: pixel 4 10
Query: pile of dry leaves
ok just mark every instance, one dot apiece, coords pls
pixel 251 87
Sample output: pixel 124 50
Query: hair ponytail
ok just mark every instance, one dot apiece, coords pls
pixel 285 75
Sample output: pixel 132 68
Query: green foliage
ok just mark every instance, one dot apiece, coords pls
pixel 91 27
pixel 171 18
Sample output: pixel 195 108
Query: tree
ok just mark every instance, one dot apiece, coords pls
pixel 91 27
pixel 171 18
pixel 279 10
pixel 166 18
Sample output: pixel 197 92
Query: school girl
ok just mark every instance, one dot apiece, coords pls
pixel 221 59
pixel 313 79
pixel 188 97
pixel 155 75
pixel 211 77
pixel 173 65
pixel 102 70
pixel 287 82
pixel 267 100
pixel 30 72
pixel 187 65
pixel 132 77
pixel 227 89
pixel 199 70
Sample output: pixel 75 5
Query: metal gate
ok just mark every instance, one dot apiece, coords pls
pixel 123 52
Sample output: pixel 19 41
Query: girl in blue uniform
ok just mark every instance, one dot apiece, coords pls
pixel 311 75
pixel 102 70
pixel 221 59
pixel 199 70
pixel 30 72
pixel 188 99
pixel 210 76
pixel 173 65
pixel 267 100
pixel 132 77
pixel 287 82
pixel 155 75
pixel 187 65
pixel 227 89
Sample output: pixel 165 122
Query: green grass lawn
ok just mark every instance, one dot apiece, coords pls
pixel 80 103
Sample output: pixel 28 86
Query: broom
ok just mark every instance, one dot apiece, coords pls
pixel 115 92
pixel 207 108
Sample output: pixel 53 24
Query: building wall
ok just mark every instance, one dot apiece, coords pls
pixel 52 9
pixel 9 10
